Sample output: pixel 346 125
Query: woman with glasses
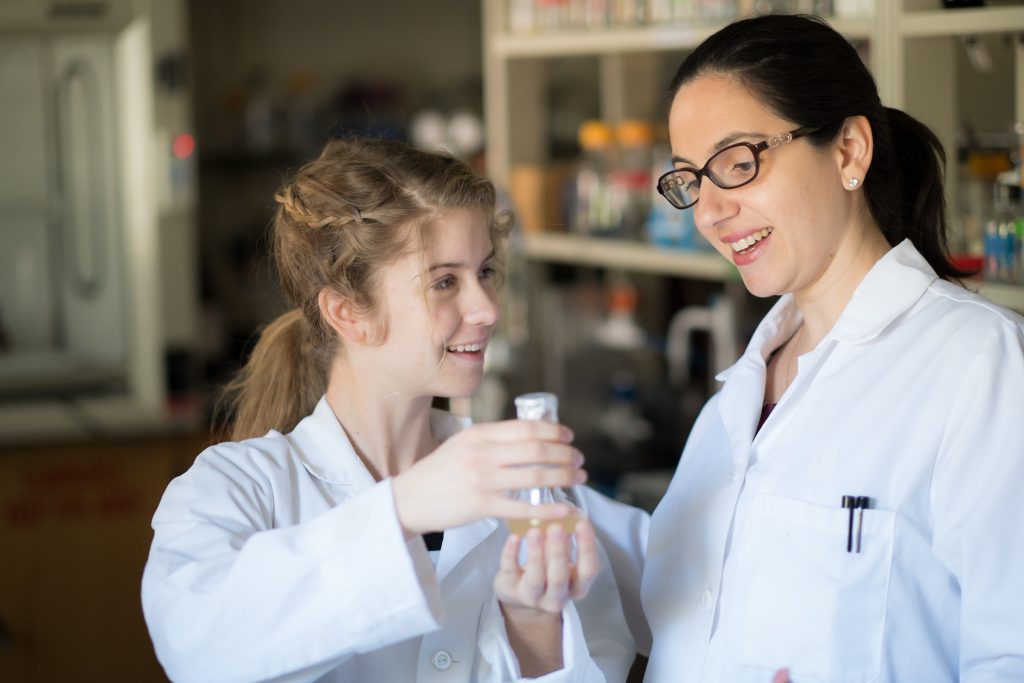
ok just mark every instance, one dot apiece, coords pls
pixel 349 532
pixel 849 504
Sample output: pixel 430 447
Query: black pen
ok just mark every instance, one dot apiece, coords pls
pixel 850 503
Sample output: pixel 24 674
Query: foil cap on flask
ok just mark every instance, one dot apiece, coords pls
pixel 540 406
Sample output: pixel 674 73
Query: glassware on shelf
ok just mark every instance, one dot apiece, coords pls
pixel 543 406
pixel 666 225
pixel 1001 250
pixel 631 180
pixel 596 213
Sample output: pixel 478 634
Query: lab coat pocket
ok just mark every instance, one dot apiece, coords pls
pixel 803 600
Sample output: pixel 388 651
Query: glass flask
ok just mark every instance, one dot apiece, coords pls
pixel 543 406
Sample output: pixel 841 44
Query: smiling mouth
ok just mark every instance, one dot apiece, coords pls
pixel 749 241
pixel 466 348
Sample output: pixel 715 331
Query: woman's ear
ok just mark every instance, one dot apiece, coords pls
pixel 342 317
pixel 856 144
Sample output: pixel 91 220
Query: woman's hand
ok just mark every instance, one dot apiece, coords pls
pixel 781 676
pixel 548 579
pixel 466 478
pixel 532 596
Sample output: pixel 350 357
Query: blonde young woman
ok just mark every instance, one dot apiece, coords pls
pixel 350 532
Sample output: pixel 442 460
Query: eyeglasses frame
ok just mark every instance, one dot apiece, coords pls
pixel 756 148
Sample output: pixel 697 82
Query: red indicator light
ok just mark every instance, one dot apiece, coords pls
pixel 183 145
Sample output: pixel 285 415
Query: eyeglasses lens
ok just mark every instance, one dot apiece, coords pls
pixel 731 167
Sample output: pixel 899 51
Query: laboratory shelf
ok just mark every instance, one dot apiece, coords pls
pixel 614 254
pixel 961 22
pixel 1010 296
pixel 581 42
pixel 629 256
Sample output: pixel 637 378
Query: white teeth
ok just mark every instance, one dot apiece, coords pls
pixel 464 348
pixel 750 240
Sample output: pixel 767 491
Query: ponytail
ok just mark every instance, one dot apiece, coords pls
pixel 281 382
pixel 907 198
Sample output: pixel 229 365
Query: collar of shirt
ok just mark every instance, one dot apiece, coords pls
pixel 326 452
pixel 888 290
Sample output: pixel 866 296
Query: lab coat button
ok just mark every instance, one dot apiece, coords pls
pixel 441 660
pixel 709 599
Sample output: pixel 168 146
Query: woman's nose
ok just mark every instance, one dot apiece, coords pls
pixel 481 306
pixel 714 204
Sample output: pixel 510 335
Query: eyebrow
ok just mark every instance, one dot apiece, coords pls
pixel 450 264
pixel 720 145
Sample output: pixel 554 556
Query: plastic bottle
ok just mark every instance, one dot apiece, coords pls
pixel 521 16
pixel 543 406
pixel 595 213
pixel 631 180
pixel 1001 237
pixel 666 225
pixel 619 330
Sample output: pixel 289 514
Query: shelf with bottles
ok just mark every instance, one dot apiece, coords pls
pixel 668 37
pixel 550 17
pixel 915 50
pixel 627 62
pixel 622 255
pixel 923 23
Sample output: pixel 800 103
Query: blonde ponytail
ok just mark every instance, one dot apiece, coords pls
pixel 281 382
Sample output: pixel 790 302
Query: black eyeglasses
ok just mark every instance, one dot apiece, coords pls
pixel 730 167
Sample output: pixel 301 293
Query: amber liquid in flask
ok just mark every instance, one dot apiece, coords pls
pixel 543 406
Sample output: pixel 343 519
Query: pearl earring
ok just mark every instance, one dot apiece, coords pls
pixel 853 183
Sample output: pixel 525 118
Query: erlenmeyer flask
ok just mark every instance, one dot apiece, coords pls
pixel 543 406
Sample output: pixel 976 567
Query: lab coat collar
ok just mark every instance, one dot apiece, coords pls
pixel 888 290
pixel 460 541
pixel 327 453
pixel 741 398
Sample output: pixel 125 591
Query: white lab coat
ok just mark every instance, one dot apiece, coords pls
pixel 280 558
pixel 916 399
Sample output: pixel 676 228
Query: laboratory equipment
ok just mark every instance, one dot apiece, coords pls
pixel 543 406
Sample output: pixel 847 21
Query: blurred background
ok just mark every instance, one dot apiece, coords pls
pixel 142 142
